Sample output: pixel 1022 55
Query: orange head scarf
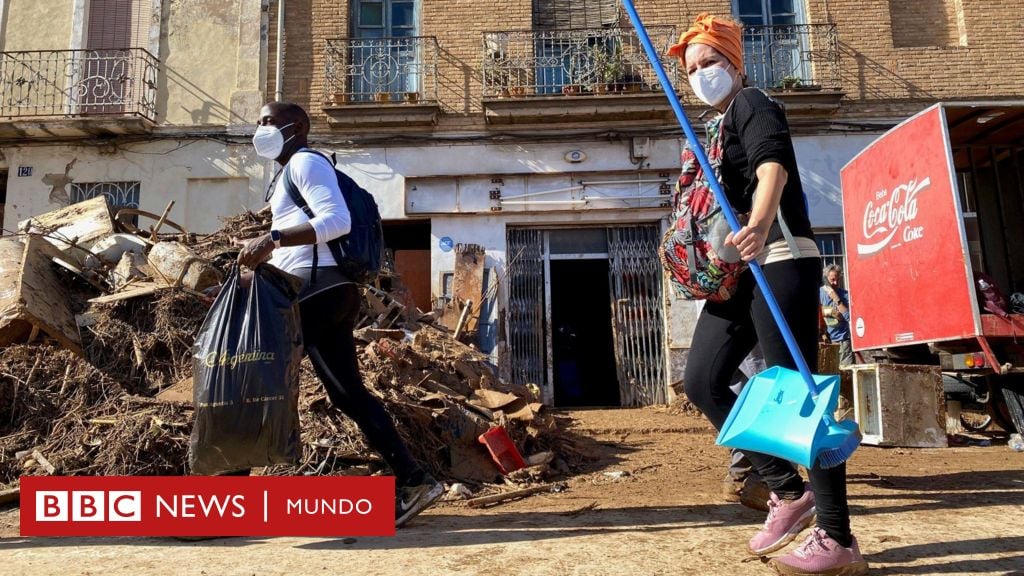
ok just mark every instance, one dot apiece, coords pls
pixel 720 33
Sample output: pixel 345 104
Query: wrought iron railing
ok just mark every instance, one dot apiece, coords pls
pixel 400 69
pixel 801 56
pixel 78 83
pixel 572 62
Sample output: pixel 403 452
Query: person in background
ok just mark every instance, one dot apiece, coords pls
pixel 835 307
pixel 742 483
pixel 750 134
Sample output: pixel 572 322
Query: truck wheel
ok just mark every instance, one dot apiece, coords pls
pixel 1012 409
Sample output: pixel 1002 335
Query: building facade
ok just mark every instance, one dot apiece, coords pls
pixel 535 129
pixel 145 101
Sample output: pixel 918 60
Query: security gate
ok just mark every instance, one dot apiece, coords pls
pixel 635 278
pixel 635 288
pixel 525 315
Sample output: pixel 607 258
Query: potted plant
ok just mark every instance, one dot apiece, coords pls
pixel 382 97
pixel 790 83
pixel 412 97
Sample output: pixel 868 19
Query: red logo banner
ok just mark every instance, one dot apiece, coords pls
pixel 208 506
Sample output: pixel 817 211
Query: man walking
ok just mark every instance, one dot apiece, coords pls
pixel 330 301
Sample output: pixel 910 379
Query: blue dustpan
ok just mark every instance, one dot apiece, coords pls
pixel 777 414
pixel 781 412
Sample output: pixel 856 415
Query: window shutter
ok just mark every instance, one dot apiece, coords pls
pixel 565 14
pixel 117 24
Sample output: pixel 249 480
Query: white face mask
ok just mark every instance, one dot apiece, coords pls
pixel 711 84
pixel 269 142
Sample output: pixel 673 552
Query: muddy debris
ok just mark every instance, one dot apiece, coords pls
pixel 121 405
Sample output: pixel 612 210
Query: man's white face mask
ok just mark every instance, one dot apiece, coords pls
pixel 712 84
pixel 269 141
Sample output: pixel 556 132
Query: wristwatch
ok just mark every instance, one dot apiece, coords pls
pixel 275 235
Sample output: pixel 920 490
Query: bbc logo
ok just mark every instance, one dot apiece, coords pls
pixel 88 506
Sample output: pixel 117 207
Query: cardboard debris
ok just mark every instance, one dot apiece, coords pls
pixel 32 297
pixel 492 399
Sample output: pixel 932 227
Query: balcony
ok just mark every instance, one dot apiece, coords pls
pixel 75 93
pixel 587 74
pixel 381 82
pixel 797 63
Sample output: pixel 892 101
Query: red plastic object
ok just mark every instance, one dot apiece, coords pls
pixel 502 450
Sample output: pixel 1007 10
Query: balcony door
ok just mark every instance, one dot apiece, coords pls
pixel 105 78
pixel 385 50
pixel 772 42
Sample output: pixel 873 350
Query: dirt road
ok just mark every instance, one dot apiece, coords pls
pixel 952 511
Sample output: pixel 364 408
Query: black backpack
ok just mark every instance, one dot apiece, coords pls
pixel 360 252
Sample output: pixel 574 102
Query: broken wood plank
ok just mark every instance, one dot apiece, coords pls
pixel 156 227
pixel 79 224
pixel 463 319
pixel 467 284
pixel 33 297
pixel 10 495
pixel 102 421
pixel 42 461
pixel 506 496
pixel 178 392
pixel 138 289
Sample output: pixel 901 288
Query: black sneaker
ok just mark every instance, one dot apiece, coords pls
pixel 411 500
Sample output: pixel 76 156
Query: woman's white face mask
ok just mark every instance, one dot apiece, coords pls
pixel 269 141
pixel 712 84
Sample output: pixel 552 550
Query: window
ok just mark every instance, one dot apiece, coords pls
pixel 566 14
pixel 830 244
pixel 573 62
pixel 772 42
pixel 119 194
pixel 385 53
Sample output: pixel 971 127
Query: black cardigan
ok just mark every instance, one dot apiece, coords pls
pixel 755 131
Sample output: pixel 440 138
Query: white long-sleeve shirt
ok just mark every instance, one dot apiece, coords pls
pixel 316 181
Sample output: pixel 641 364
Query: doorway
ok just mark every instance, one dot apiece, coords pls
pixel 3 194
pixel 583 350
pixel 584 315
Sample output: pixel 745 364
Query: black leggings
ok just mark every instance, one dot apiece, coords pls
pixel 328 319
pixel 725 334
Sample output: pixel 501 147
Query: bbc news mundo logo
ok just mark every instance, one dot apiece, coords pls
pixel 208 506
pixel 88 506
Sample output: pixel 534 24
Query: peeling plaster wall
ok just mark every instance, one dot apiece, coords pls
pixel 38 25
pixel 206 179
pixel 211 51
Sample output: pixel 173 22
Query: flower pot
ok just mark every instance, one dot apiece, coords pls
pixel 571 89
pixel 382 97
pixel 412 97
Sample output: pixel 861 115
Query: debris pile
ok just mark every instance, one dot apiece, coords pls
pixel 96 375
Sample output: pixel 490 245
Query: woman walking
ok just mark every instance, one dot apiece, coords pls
pixel 749 140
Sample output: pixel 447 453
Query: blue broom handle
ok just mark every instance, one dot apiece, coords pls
pixel 730 215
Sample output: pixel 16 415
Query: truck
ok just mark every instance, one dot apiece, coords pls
pixel 933 214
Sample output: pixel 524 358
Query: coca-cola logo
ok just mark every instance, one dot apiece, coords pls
pixel 889 213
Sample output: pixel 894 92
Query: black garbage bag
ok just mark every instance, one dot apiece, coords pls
pixel 246 384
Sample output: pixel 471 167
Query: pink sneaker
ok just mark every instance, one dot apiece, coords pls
pixel 786 519
pixel 822 555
